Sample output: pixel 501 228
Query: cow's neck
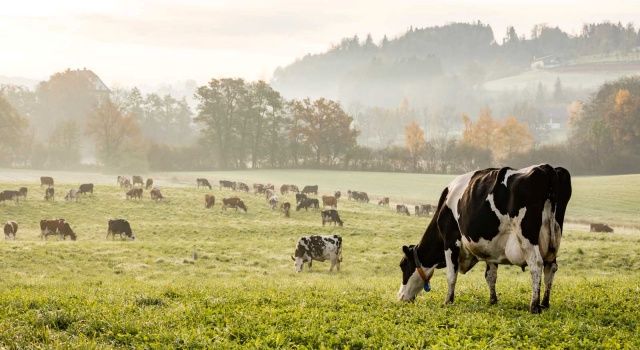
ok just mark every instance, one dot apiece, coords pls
pixel 430 249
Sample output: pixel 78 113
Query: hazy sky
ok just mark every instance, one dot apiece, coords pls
pixel 150 42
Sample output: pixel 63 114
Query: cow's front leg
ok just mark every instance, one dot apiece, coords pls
pixel 534 261
pixel 451 257
pixel 491 275
pixel 550 269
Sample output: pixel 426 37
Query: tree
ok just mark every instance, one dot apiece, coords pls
pixel 414 142
pixel 540 95
pixel 64 144
pixel 115 135
pixel 511 137
pixel 12 131
pixel 480 134
pixel 324 128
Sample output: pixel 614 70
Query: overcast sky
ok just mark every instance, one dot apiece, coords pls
pixel 151 42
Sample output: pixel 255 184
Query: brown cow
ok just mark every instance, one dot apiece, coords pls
pixel 49 194
pixel 209 200
pixel 329 201
pixel 50 227
pixel 284 189
pixel 596 227
pixel 402 209
pixel 134 193
pixel 384 201
pixel 233 202
pixel 149 183
pixel 155 194
pixel 22 192
pixel 10 230
pixel 286 208
pixel 65 230
pixel 46 180
pixel 9 195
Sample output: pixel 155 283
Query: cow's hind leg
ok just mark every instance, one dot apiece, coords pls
pixel 451 257
pixel 491 275
pixel 550 269
pixel 534 261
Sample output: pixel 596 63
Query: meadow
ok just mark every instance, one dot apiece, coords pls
pixel 206 278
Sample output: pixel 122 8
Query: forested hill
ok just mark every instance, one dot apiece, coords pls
pixel 438 64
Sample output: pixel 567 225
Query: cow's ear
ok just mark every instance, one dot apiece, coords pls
pixel 407 251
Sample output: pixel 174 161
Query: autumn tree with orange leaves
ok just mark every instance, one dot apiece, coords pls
pixel 414 142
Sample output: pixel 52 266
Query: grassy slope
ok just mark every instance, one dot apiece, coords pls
pixel 242 291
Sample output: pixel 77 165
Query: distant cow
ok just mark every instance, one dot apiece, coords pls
pixel 286 209
pixel 10 230
pixel 50 227
pixel 227 184
pixel 310 189
pixel 86 188
pixel 134 193
pixel 384 201
pixel 273 202
pixel 331 216
pixel 300 197
pixel 201 182
pixel 65 230
pixel 8 195
pixel 308 203
pixel 209 200
pixel 329 201
pixel 119 227
pixel 423 209
pixel 402 209
pixel 268 194
pixel 22 192
pixel 149 183
pixel 241 186
pixel 600 228
pixel 233 202
pixel 258 188
pixel 337 194
pixel 49 194
pixel 284 189
pixel 46 180
pixel 137 180
pixel 155 194
pixel 358 196
pixel 319 248
pixel 125 183
pixel 71 195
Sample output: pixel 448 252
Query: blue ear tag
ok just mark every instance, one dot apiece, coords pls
pixel 427 287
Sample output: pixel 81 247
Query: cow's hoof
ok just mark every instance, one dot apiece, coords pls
pixel 545 304
pixel 535 309
pixel 493 300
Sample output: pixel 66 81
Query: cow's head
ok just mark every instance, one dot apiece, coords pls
pixel 298 262
pixel 242 206
pixel 414 277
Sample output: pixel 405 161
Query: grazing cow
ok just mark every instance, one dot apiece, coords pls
pixel 65 230
pixel 500 216
pixel 209 200
pixel 271 187
pixel 46 180
pixel 268 194
pixel 155 194
pixel 300 197
pixel 241 186
pixel 358 196
pixel 284 189
pixel 148 184
pixel 402 209
pixel 126 184
pixel 120 227
pixel 233 202
pixel 71 195
pixel 329 201
pixel 50 227
pixel 120 179
pixel 49 194
pixel 86 188
pixel 331 216
pixel 201 182
pixel 337 194
pixel 319 248
pixel 10 230
pixel 227 184
pixel 8 195
pixel 286 209
pixel 273 202
pixel 258 188
pixel 134 193
pixel 22 192
pixel 308 203
pixel 423 209
pixel 384 201
pixel 310 190
pixel 137 180
pixel 600 228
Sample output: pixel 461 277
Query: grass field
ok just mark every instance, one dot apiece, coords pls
pixel 242 290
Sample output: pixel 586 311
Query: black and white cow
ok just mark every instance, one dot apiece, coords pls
pixel 500 216
pixel 319 248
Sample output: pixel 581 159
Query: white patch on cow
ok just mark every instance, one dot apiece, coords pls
pixel 456 190
pixel 451 272
pixel 415 284
pixel 510 172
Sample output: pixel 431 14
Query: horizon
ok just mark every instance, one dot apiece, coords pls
pixel 132 45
